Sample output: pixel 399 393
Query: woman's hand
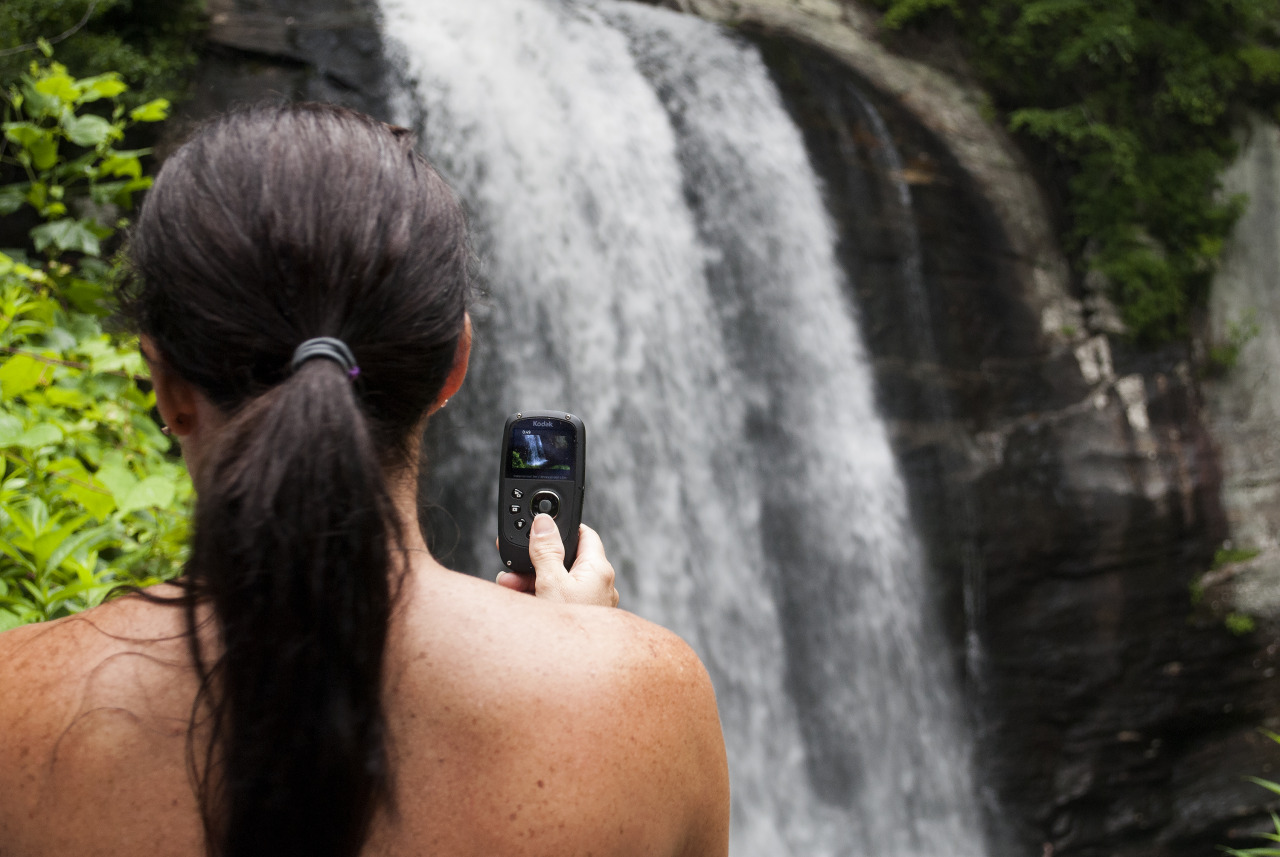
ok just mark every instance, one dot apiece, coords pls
pixel 590 581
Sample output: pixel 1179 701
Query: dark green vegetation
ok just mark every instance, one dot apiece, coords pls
pixel 151 43
pixel 1133 109
pixel 1272 850
pixel 90 498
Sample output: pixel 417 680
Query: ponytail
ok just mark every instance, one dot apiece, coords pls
pixel 292 534
pixel 335 227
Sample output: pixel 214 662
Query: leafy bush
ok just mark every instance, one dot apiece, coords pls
pixel 150 42
pixel 1132 107
pixel 90 497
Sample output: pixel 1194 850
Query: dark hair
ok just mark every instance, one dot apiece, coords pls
pixel 269 227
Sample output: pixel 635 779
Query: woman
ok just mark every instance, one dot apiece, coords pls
pixel 316 683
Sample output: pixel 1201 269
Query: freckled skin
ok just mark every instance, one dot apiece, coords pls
pixel 518 727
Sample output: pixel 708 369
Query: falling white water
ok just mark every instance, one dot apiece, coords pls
pixel 659 262
pixel 911 252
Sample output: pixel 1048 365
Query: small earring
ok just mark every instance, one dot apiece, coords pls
pixel 444 404
pixel 165 430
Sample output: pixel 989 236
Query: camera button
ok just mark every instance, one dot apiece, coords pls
pixel 520 524
pixel 545 502
pixel 513 509
pixel 517 493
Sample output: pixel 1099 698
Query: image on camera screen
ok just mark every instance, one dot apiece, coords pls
pixel 540 453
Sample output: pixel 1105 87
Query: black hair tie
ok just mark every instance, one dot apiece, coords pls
pixel 328 348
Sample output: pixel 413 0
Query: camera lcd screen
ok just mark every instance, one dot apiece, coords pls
pixel 541 449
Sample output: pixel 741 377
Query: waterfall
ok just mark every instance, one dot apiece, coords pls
pixel 938 408
pixel 659 261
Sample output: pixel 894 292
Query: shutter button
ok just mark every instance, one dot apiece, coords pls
pixel 545 502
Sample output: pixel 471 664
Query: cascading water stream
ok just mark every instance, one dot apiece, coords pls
pixel 918 320
pixel 660 262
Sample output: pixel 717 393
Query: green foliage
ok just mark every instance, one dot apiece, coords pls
pixel 1240 624
pixel 1196 590
pixel 1224 355
pixel 903 11
pixel 150 42
pixel 1230 556
pixel 90 498
pixel 1273 838
pixel 1132 105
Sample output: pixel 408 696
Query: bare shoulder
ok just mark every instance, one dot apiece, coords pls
pixel 668 748
pixel 84 697
pixel 597 651
pixel 667 678
pixel 37 671
pixel 648 659
pixel 603 721
pixel 37 668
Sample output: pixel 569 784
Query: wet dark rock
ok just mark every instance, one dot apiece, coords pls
pixel 1066 485
pixel 288 50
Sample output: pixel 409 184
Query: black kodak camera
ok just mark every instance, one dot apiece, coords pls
pixel 544 456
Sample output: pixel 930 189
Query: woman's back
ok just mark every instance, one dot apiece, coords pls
pixel 516 727
pixel 315 683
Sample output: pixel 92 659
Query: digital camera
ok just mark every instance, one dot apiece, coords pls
pixel 543 469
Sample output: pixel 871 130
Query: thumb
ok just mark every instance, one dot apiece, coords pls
pixel 546 550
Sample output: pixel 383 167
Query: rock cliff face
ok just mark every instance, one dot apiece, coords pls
pixel 1071 490
pixel 1243 398
pixel 328 50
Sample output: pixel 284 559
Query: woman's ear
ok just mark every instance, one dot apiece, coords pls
pixel 458 373
pixel 177 399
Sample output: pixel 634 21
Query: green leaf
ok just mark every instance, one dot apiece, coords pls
pixel 61 86
pixel 152 111
pixel 19 374
pixel 37 517
pixel 9 549
pixel 11 198
pixel 40 435
pixel 8 621
pixel 11 428
pixel 122 165
pixel 152 491
pixel 38 194
pixel 67 397
pixel 51 540
pixel 44 154
pixel 88 130
pixel 1266 784
pixel 25 134
pixel 67 235
pixel 118 480
pixel 98 502
pixel 90 539
pixel 79 485
pixel 107 85
pixel 119 193
pixel 39 143
pixel 89 296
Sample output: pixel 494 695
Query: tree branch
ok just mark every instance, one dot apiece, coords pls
pixel 88 13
